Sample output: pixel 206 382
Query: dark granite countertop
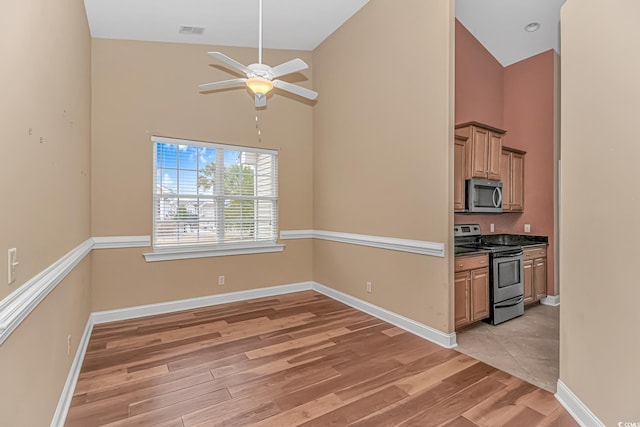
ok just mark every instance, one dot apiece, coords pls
pixel 515 239
pixel 524 240
pixel 460 251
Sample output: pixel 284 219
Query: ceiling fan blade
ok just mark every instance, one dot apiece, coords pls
pixel 289 67
pixel 230 62
pixel 222 84
pixel 298 90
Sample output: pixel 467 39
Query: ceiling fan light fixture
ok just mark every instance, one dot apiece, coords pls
pixel 259 85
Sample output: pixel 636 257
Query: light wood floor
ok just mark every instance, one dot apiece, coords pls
pixel 297 359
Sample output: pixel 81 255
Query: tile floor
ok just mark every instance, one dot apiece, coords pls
pixel 526 347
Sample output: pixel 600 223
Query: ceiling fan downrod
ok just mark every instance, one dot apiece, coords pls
pixel 260 32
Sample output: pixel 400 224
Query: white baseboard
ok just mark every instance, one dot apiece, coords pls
pixel 188 304
pixel 576 408
pixel 60 416
pixel 419 329
pixel 553 300
pixel 423 331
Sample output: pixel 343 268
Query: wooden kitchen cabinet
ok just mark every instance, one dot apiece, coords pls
pixel 540 278
pixel 462 298
pixel 517 181
pixel 471 289
pixel 479 294
pixel 512 177
pixel 529 295
pixel 535 274
pixel 505 177
pixel 459 168
pixel 483 150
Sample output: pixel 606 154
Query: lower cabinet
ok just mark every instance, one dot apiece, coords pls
pixel 535 274
pixel 471 288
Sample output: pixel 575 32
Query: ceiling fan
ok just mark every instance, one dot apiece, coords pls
pixel 260 77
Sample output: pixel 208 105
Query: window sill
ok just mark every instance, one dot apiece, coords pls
pixel 169 254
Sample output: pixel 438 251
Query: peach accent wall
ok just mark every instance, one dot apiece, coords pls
pixel 599 319
pixel 45 92
pixel 142 89
pixel 529 121
pixel 527 112
pixel 360 132
pixel 479 81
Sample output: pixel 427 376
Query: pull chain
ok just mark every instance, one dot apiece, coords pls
pixel 258 128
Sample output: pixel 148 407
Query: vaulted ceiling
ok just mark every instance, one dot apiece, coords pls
pixel 304 24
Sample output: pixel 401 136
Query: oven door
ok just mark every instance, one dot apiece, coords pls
pixel 507 274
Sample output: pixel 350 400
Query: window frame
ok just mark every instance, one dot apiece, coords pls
pixel 206 249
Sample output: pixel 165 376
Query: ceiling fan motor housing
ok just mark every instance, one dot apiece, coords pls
pixel 260 70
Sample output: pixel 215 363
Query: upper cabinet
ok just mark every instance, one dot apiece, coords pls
pixel 512 177
pixel 459 168
pixel 483 150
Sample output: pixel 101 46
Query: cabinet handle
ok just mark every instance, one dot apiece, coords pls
pixel 460 265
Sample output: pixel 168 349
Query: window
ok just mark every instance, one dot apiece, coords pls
pixel 212 196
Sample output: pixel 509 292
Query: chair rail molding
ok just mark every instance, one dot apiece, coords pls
pixel 17 306
pixel 421 247
pixel 117 242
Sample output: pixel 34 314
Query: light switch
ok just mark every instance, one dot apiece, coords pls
pixel 493 227
pixel 12 259
pixel 527 228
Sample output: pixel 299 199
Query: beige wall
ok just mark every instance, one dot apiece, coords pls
pixel 142 89
pixel 382 133
pixel 45 85
pixel 599 341
pixel 33 361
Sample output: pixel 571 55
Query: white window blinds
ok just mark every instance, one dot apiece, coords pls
pixel 208 194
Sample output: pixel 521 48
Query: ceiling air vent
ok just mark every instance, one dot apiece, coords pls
pixel 184 29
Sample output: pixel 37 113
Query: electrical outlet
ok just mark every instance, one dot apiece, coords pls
pixel 492 227
pixel 369 287
pixel 68 344
pixel 12 260
pixel 220 280
pixel 527 228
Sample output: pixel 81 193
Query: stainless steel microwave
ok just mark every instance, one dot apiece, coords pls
pixel 483 196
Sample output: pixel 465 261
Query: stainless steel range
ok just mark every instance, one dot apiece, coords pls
pixel 506 272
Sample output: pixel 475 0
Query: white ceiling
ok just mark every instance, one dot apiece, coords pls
pixel 499 26
pixel 288 24
pixel 304 24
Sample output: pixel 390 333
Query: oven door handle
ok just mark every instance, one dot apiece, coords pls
pixel 493 197
pixel 508 255
pixel 511 305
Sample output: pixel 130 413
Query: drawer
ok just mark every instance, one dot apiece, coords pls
pixel 532 253
pixel 471 262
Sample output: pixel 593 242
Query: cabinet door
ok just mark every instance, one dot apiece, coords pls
pixel 479 152
pixel 540 277
pixel 494 155
pixel 458 173
pixel 517 182
pixel 479 294
pixel 462 298
pixel 529 296
pixel 505 177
